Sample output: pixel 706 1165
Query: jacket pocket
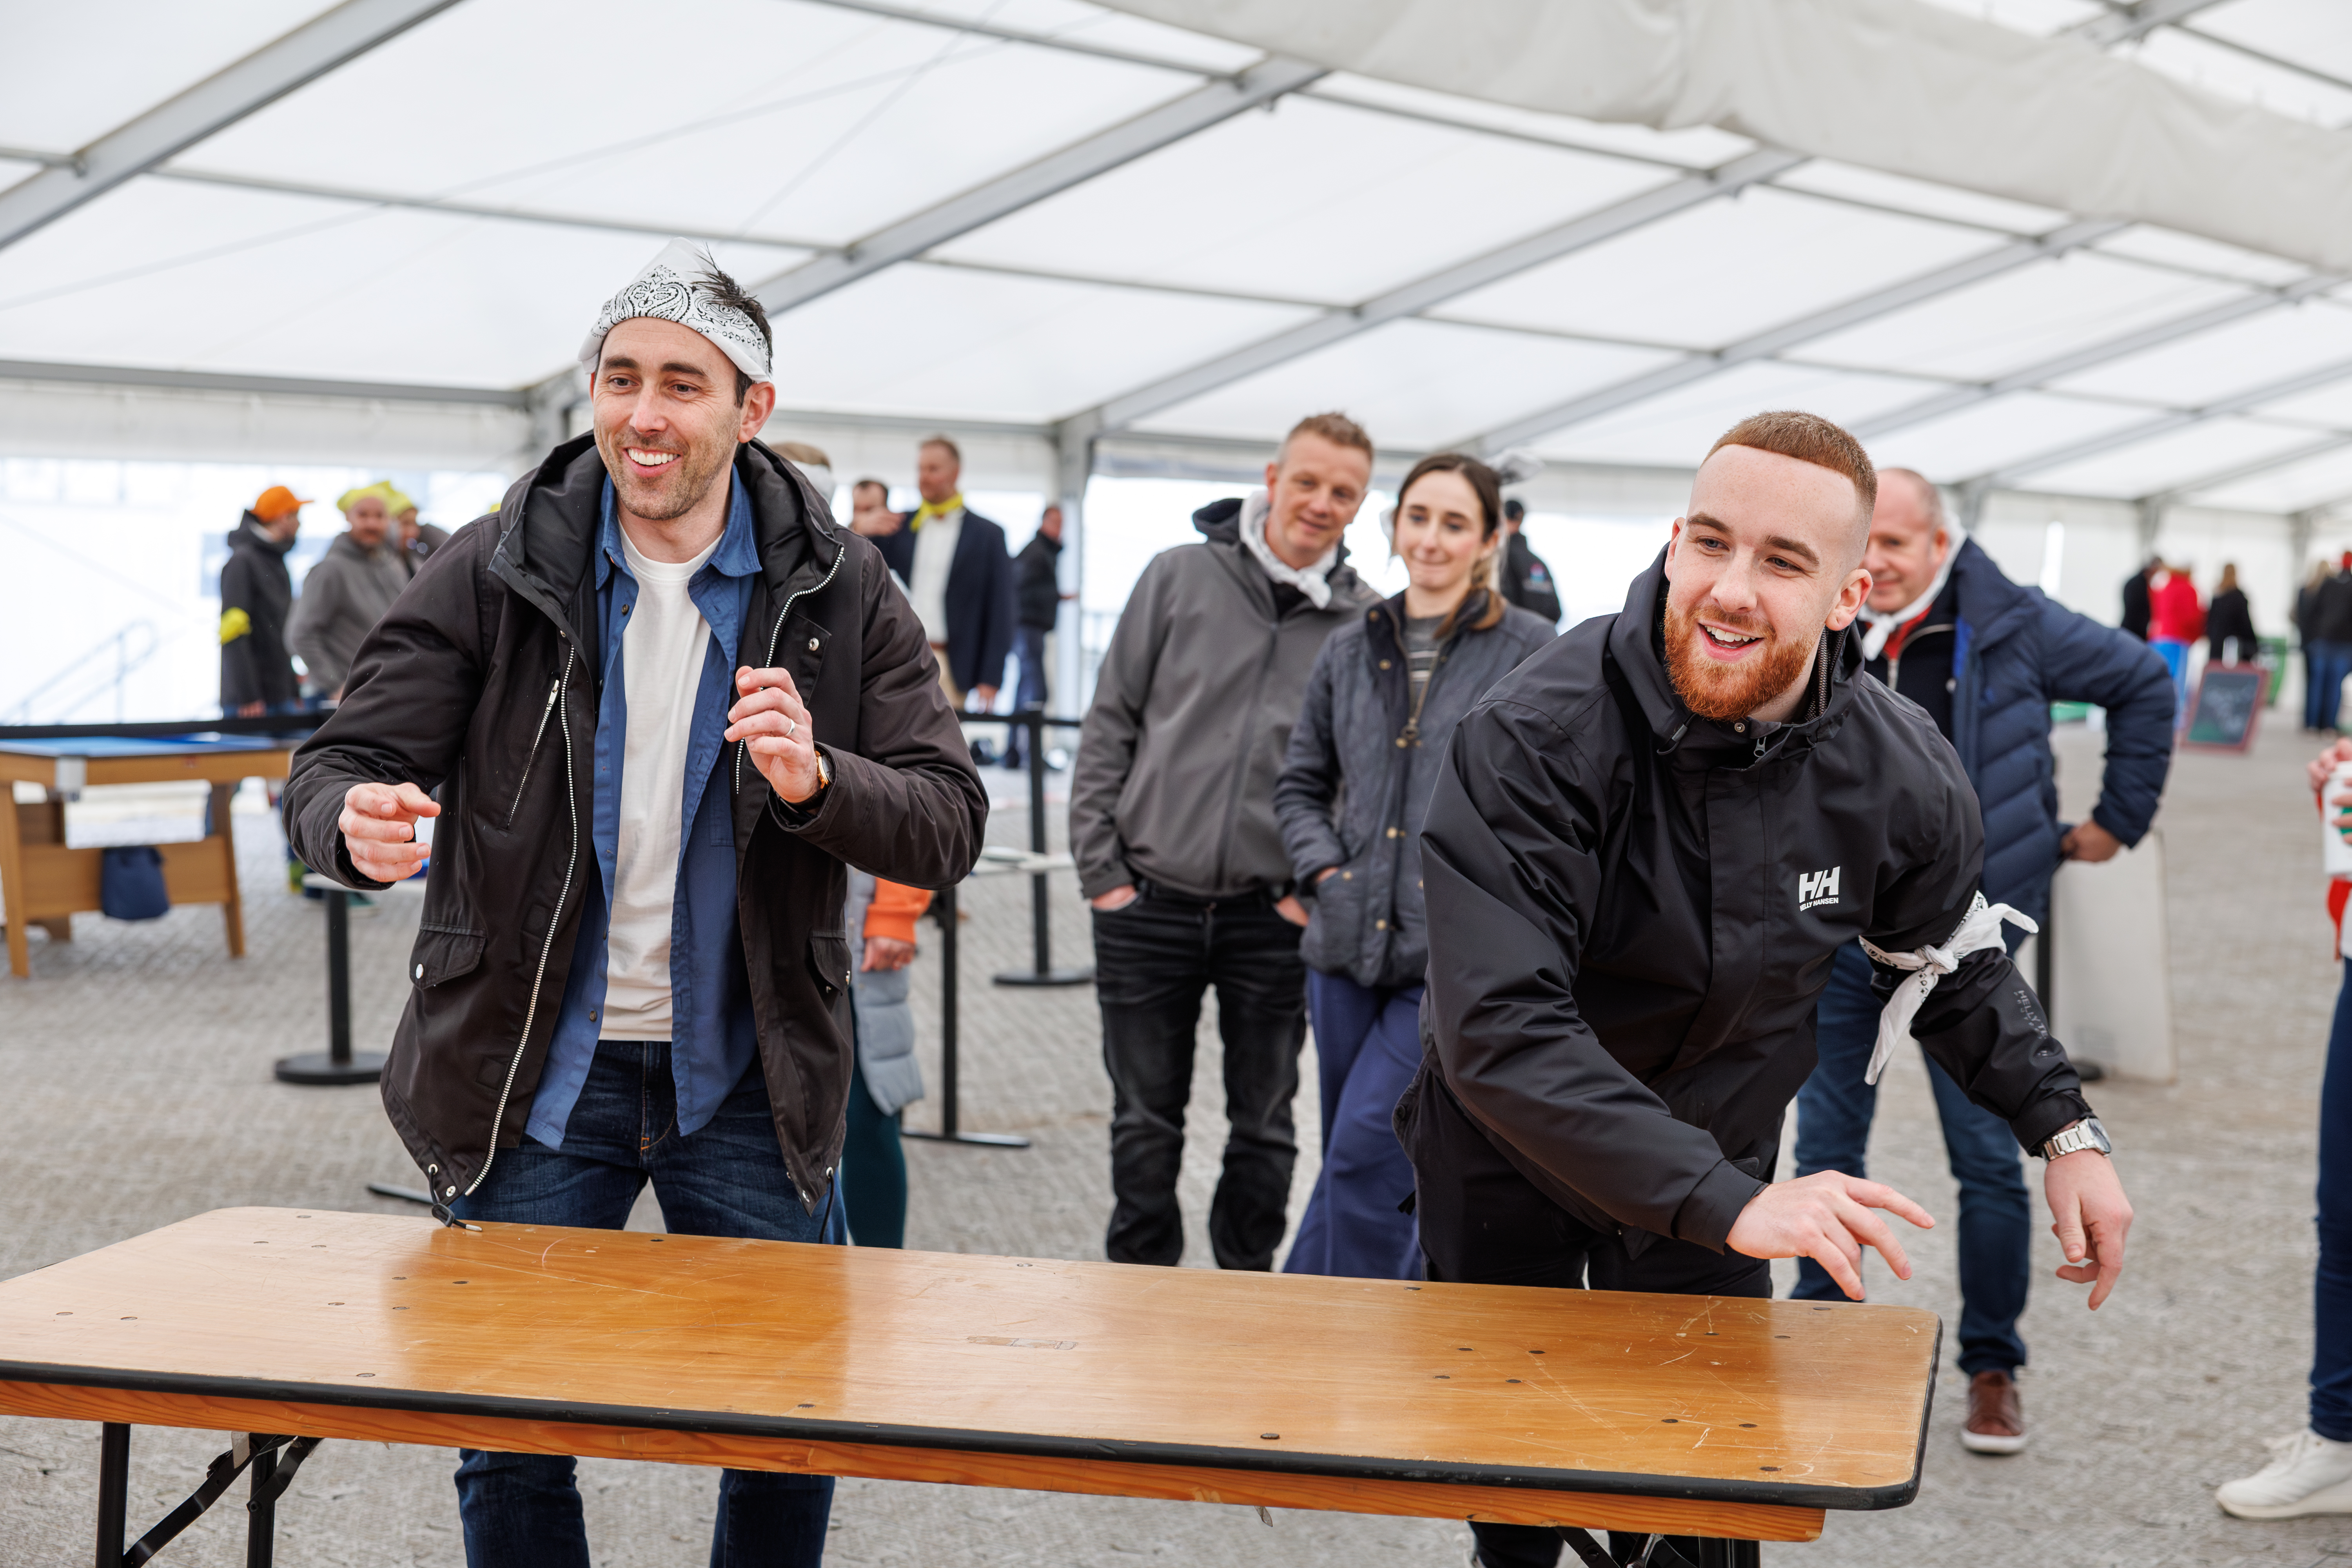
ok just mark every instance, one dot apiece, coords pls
pixel 443 953
pixel 1334 938
pixel 828 961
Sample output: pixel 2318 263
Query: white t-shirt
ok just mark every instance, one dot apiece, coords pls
pixel 935 547
pixel 661 670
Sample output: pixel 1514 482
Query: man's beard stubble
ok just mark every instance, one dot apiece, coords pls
pixel 700 470
pixel 1713 691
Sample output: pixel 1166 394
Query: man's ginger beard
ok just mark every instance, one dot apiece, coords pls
pixel 1713 691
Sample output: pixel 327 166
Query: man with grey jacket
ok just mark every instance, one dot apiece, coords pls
pixel 346 594
pixel 1172 825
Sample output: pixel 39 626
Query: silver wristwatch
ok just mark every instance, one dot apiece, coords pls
pixel 2084 1134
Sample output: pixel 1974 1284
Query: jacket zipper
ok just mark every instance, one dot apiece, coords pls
pixel 554 922
pixel 776 632
pixel 553 691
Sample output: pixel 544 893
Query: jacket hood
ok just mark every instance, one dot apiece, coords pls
pixel 1637 649
pixel 252 534
pixel 1220 522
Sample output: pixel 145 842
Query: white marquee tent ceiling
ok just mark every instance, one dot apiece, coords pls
pixel 1047 216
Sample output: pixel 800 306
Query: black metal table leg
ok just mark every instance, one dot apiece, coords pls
pixel 261 1513
pixel 113 1490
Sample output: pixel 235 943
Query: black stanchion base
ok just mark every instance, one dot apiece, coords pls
pixel 405 1195
pixel 321 1068
pixel 985 1140
pixel 1050 977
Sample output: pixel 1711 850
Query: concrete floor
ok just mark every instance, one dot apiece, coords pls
pixel 136 1061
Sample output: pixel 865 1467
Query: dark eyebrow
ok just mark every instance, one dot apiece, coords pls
pixel 1779 541
pixel 674 367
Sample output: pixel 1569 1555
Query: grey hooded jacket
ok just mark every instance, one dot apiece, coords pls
pixel 345 595
pixel 1360 769
pixel 1191 717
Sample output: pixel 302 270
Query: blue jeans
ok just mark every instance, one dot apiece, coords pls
pixel 2330 663
pixel 873 1176
pixel 1029 690
pixel 1367 1048
pixel 2331 1357
pixel 522 1510
pixel 1833 1112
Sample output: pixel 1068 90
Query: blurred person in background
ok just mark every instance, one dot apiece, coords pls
pixel 869 510
pixel 955 566
pixel 2332 623
pixel 1371 734
pixel 418 538
pixel 1038 586
pixel 2135 599
pixel 256 595
pixel 1986 659
pixel 886 1078
pixel 1526 581
pixel 1173 825
pixel 346 594
pixel 2311 1470
pixel 2307 636
pixel 2176 617
pixel 2230 619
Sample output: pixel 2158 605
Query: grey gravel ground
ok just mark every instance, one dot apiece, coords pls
pixel 135 1067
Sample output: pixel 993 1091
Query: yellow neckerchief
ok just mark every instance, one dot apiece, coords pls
pixel 925 512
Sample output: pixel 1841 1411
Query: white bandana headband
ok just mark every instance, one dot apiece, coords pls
pixel 674 287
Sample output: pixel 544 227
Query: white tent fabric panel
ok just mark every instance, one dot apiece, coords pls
pixel 1692 147
pixel 2049 121
pixel 2041 17
pixel 980 345
pixel 2176 457
pixel 2187 253
pixel 802 122
pixel 212 279
pixel 1413 383
pixel 1313 199
pixel 2322 480
pixel 1721 271
pixel 2211 68
pixel 2254 351
pixel 2329 407
pixel 1091 26
pixel 1985 438
pixel 2020 318
pixel 1829 178
pixel 48 109
pixel 2317 33
pixel 1677 427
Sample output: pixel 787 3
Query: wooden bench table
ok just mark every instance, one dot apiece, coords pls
pixel 44 882
pixel 1672 1414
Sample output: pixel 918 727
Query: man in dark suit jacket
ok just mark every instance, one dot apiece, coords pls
pixel 961 578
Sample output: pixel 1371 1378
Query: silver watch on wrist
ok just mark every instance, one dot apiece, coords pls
pixel 2084 1134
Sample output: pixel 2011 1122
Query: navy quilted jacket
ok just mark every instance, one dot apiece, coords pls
pixel 2015 653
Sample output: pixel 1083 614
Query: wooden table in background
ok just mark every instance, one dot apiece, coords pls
pixel 45 883
pixel 1672 1414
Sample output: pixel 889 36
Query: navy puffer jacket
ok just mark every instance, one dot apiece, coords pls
pixel 2014 654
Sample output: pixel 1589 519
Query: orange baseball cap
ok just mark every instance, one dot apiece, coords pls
pixel 276 502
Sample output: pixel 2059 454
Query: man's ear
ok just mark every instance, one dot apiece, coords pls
pixel 758 404
pixel 1673 547
pixel 1271 471
pixel 1849 600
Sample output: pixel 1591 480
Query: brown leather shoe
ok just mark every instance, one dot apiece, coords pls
pixel 1996 1422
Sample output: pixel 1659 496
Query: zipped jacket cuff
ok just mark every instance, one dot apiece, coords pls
pixel 2047 1117
pixel 1713 1206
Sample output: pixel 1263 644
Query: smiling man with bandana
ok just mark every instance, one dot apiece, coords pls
pixel 654 703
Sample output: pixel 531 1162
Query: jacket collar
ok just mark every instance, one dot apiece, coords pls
pixel 1636 647
pixel 1992 604
pixel 251 533
pixel 1220 521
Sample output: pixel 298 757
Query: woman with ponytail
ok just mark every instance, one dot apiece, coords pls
pixel 1370 739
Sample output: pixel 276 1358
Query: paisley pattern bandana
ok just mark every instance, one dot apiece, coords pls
pixel 673 288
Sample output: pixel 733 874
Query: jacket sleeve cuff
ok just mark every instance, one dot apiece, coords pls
pixel 2125 834
pixel 1713 1205
pixel 2041 1121
pixel 800 818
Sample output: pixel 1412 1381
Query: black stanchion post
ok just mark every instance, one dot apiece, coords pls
pixel 338 1064
pixel 948 1132
pixel 1041 971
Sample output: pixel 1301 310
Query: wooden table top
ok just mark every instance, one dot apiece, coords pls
pixel 1757 1402
pixel 111 760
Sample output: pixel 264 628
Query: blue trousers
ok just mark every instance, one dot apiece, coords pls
pixel 522 1510
pixel 873 1176
pixel 1367 1048
pixel 2330 663
pixel 1833 1112
pixel 2331 1357
pixel 1029 686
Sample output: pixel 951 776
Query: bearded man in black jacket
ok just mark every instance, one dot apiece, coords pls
pixel 1649 842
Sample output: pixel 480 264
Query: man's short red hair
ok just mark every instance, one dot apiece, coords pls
pixel 1809 438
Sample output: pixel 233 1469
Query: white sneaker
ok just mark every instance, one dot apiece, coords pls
pixel 2310 1475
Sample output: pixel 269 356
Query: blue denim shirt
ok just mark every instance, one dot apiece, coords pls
pixel 715 1035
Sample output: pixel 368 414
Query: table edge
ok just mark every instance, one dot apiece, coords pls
pixel 1350 1467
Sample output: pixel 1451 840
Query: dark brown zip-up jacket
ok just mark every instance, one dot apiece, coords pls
pixel 477 687
pixel 1632 911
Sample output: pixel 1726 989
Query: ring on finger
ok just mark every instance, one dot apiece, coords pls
pixel 792 728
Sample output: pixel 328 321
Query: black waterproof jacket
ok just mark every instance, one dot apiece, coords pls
pixel 1632 911
pixel 473 688
pixel 257 594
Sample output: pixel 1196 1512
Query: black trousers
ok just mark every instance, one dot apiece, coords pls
pixel 1153 961
pixel 1483 1223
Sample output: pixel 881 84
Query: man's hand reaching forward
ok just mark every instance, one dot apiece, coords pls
pixel 1828 1217
pixel 379 827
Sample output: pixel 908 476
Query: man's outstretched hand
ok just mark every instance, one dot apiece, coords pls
pixel 1828 1217
pixel 2090 1216
pixel 379 827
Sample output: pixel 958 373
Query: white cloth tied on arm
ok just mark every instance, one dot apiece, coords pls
pixel 1981 928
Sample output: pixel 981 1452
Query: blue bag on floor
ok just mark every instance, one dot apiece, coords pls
pixel 130 883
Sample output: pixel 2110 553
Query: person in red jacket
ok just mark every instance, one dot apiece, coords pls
pixel 2176 617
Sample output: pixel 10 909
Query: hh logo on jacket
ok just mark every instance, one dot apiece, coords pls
pixel 1815 888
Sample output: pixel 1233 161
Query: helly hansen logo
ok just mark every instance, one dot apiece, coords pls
pixel 1815 888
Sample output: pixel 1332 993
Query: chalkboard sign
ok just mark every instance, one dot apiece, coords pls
pixel 2222 711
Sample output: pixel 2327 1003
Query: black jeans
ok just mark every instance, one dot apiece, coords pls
pixel 1153 960
pixel 1482 1223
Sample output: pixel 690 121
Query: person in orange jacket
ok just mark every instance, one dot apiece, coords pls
pixel 887 1076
